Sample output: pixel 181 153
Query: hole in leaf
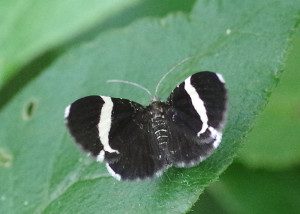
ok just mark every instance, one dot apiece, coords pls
pixel 5 158
pixel 29 109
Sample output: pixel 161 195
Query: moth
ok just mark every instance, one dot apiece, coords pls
pixel 139 142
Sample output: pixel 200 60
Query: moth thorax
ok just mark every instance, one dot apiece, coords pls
pixel 157 109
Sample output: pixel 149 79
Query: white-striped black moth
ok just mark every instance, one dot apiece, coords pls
pixel 138 142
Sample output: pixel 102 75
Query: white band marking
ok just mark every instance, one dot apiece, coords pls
pixel 101 155
pixel 160 130
pixel 161 136
pixel 67 111
pixel 105 124
pixel 220 77
pixel 216 135
pixel 197 104
pixel 112 172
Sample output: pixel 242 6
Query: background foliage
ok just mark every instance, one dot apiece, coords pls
pixel 265 176
pixel 52 53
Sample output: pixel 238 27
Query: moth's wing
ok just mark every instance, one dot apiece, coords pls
pixel 130 135
pixel 82 118
pixel 115 131
pixel 196 117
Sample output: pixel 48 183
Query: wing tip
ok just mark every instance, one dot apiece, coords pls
pixel 220 77
pixel 67 112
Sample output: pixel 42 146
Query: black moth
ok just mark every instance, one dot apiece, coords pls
pixel 138 142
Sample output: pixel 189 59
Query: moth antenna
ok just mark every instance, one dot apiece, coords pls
pixel 131 83
pixel 170 71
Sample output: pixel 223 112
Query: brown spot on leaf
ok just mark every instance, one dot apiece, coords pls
pixel 5 158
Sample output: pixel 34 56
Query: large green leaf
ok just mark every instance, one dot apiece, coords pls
pixel 30 27
pixel 42 169
pixel 274 141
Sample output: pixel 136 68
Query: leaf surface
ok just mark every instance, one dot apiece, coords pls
pixel 28 28
pixel 274 141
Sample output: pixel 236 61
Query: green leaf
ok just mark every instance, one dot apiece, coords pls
pixel 28 28
pixel 256 191
pixel 245 41
pixel 208 204
pixel 145 8
pixel 274 141
pixel 125 16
